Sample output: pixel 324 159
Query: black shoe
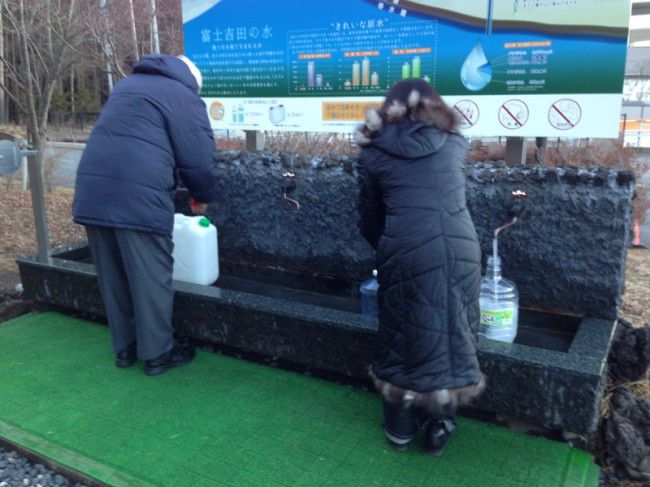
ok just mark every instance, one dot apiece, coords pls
pixel 176 357
pixel 400 426
pixel 396 442
pixel 437 436
pixel 127 357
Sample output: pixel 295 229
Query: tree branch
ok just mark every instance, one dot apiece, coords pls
pixel 13 97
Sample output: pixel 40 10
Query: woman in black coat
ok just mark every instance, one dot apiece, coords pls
pixel 413 212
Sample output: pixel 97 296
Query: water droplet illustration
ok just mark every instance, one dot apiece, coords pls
pixel 476 72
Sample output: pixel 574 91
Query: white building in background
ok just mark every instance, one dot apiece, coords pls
pixel 635 119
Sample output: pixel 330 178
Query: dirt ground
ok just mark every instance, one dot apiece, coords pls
pixel 17 235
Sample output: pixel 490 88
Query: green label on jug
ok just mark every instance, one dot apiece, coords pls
pixel 497 317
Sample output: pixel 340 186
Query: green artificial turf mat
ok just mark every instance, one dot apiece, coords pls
pixel 223 421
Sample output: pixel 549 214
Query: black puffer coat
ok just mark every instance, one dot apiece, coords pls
pixel 413 212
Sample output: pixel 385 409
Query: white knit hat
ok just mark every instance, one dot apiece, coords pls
pixel 194 70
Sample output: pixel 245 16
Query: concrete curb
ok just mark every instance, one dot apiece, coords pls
pixel 67 462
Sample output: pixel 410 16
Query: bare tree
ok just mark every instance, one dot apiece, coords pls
pixel 3 105
pixel 115 29
pixel 57 35
pixel 49 38
pixel 104 39
pixel 155 38
pixel 171 26
pixel 134 33
pixel 129 24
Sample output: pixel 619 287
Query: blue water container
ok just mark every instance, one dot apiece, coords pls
pixel 368 291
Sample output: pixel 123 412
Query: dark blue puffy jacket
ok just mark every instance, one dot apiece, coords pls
pixel 154 127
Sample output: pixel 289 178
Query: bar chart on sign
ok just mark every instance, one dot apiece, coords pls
pixel 353 60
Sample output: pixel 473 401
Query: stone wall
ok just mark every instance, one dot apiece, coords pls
pixel 566 254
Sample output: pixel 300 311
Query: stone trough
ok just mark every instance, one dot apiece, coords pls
pixel 289 277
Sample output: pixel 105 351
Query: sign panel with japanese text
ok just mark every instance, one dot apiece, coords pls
pixel 508 67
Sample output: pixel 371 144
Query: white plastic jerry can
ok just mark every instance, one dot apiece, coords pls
pixel 196 251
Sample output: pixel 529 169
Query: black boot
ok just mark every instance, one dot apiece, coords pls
pixel 176 357
pixel 127 357
pixel 438 434
pixel 400 426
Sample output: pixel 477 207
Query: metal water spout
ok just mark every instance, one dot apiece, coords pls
pixel 516 208
pixel 499 297
pixel 288 186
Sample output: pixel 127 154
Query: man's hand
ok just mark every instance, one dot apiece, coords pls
pixel 198 208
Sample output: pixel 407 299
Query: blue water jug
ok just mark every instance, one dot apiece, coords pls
pixel 368 291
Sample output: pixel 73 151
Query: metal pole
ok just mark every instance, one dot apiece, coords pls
pixel 638 133
pixel 24 163
pixel 540 147
pixel 489 18
pixel 38 203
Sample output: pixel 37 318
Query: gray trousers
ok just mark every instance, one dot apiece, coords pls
pixel 135 280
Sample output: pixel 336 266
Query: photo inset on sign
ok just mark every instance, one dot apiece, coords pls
pixel 277 114
pixel 513 114
pixel 467 113
pixel 564 114
pixel 217 111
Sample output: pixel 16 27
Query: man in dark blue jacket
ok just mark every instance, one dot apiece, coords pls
pixel 154 126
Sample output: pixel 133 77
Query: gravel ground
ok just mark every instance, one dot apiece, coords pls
pixel 18 471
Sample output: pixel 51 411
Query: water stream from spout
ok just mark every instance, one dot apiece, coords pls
pixel 495 264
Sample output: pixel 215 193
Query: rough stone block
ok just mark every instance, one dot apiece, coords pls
pixel 566 254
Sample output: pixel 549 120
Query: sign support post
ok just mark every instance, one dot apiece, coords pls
pixel 516 151
pixel 255 140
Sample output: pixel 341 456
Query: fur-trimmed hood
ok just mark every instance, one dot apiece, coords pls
pixel 407 131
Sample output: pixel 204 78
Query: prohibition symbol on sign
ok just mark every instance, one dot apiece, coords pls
pixel 564 114
pixel 513 114
pixel 467 113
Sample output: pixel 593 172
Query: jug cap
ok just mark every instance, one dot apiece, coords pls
pixel 204 222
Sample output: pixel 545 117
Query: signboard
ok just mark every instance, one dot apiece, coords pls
pixel 508 67
pixel 10 157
